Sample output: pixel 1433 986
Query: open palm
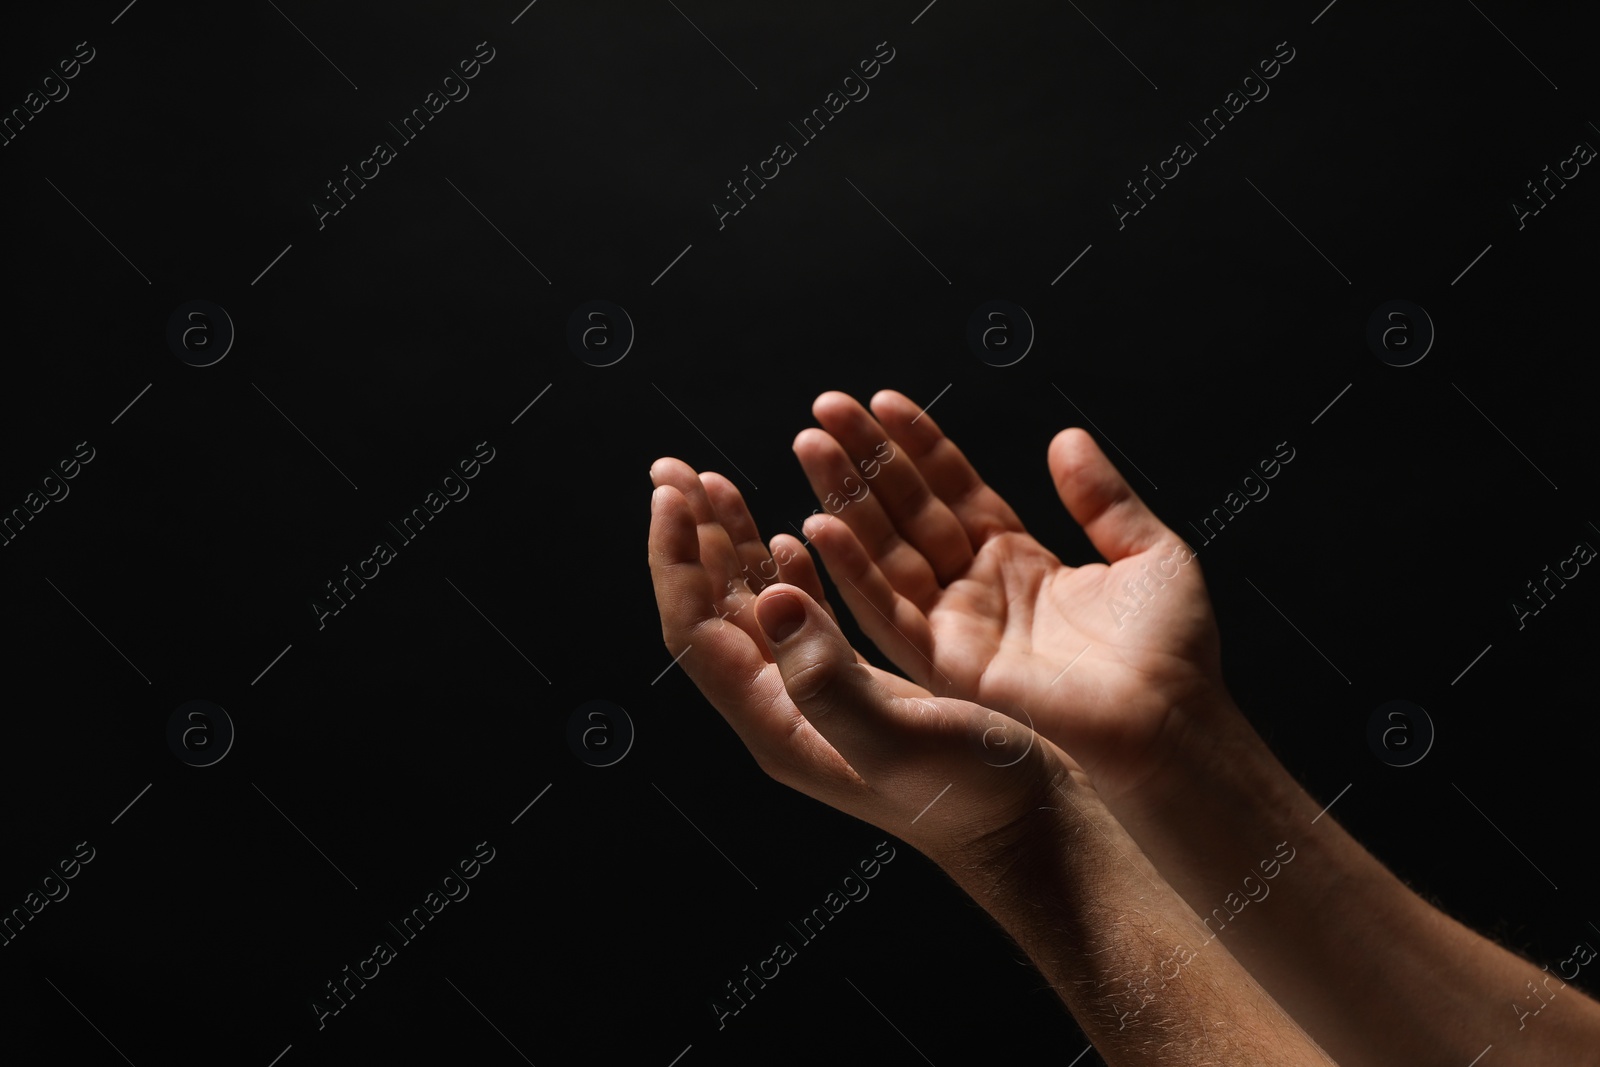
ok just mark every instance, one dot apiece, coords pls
pixel 819 718
pixel 941 575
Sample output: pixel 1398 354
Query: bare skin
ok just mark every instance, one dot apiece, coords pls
pixel 1023 831
pixel 941 576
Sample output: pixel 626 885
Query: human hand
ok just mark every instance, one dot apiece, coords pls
pixel 738 564
pixel 1023 831
pixel 941 575
pixel 816 717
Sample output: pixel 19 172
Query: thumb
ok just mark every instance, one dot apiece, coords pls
pixel 1100 500
pixel 838 695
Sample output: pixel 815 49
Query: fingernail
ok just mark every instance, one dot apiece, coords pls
pixel 780 616
pixel 655 499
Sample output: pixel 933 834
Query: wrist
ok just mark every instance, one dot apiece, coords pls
pixel 1042 867
pixel 1215 804
pixel 1204 741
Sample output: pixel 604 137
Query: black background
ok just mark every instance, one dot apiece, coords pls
pixel 426 715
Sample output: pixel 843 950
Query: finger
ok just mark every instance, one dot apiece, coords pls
pixel 827 466
pixel 920 516
pixel 797 568
pixel 890 621
pixel 839 696
pixel 981 511
pixel 756 567
pixel 731 668
pixel 894 683
pixel 717 553
pixel 1100 500
pixel 719 656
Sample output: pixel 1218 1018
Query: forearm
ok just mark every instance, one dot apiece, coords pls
pixel 1371 971
pixel 1123 951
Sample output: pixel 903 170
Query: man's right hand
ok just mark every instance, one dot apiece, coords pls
pixel 1113 661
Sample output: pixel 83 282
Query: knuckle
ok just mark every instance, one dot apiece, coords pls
pixel 814 682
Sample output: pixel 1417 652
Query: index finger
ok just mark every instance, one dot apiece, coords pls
pixel 727 665
pixel 728 658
